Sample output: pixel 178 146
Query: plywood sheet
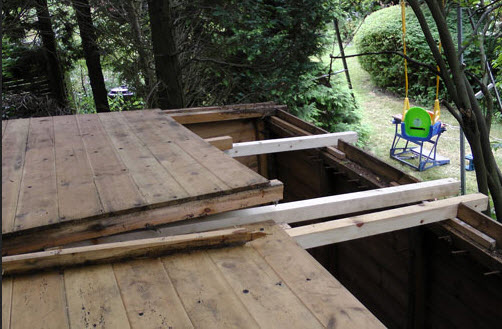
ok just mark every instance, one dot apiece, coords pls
pixel 268 283
pixel 84 169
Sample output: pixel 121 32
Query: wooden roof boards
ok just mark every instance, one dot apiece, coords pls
pixel 76 177
pixel 267 283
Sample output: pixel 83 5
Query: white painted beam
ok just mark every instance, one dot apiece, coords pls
pixel 290 144
pixel 304 210
pixel 315 235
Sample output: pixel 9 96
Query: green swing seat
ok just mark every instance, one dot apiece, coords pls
pixel 417 128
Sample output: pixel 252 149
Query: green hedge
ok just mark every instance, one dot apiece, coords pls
pixel 382 31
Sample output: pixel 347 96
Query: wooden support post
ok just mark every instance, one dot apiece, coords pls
pixel 310 236
pixel 290 144
pixel 112 252
pixel 221 142
pixel 262 158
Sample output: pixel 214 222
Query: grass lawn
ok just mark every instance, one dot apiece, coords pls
pixel 378 107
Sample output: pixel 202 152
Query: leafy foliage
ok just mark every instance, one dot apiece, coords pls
pixel 382 31
pixel 252 51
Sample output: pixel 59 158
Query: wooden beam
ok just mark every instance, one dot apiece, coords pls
pixel 290 144
pixel 374 164
pixel 298 211
pixel 67 232
pixel 310 236
pixel 297 122
pixel 223 113
pixel 287 127
pixel 112 252
pixel 286 124
pixel 481 222
pixel 235 107
pixel 221 142
pixel 212 116
pixel 469 231
pixel 332 155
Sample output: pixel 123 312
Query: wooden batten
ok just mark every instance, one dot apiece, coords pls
pixel 290 144
pixel 315 235
pixel 299 211
pixel 466 229
pixel 481 222
pixel 112 252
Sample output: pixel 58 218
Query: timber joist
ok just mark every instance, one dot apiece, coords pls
pixel 332 156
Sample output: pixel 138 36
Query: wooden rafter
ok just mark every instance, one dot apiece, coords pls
pixel 315 235
pixel 299 211
pixel 290 144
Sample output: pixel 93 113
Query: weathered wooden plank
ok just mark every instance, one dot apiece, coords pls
pixel 236 107
pixel 112 252
pixel 191 174
pixel 37 204
pixel 299 211
pixel 38 301
pixel 315 235
pixel 481 222
pixel 321 293
pixel 268 299
pixel 149 296
pixel 466 229
pixel 13 159
pixel 221 143
pixel 216 115
pixel 110 174
pixel 94 299
pixel 376 165
pixel 290 128
pixel 77 194
pixel 289 144
pixel 155 183
pixel 295 121
pixel 212 304
pixel 223 113
pixel 6 302
pixel 67 232
pixel 231 173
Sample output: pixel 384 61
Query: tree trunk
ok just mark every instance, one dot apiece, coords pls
pixel 167 66
pixel 131 7
pixel 91 54
pixel 54 68
pixel 468 113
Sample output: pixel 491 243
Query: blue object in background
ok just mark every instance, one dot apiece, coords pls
pixel 470 166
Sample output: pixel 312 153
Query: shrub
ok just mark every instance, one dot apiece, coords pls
pixel 329 107
pixel 382 32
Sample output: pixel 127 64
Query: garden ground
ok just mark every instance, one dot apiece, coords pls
pixel 377 108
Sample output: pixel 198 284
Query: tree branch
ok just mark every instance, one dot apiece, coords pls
pixel 450 86
pixel 389 52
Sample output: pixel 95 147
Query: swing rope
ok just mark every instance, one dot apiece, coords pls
pixel 437 108
pixel 406 106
